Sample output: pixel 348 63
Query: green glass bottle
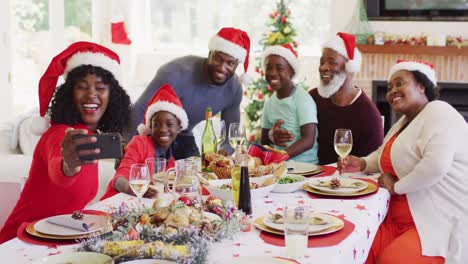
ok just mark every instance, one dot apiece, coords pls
pixel 209 142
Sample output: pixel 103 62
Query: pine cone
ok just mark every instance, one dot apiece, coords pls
pixel 335 183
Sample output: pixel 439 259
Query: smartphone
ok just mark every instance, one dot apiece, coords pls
pixel 109 144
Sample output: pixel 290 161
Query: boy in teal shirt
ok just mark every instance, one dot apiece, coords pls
pixel 293 105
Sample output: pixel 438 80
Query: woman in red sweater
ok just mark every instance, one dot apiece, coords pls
pixel 90 101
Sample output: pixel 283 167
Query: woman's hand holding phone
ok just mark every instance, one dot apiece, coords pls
pixel 71 153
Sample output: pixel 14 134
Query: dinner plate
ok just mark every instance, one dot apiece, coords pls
pixel 76 258
pixel 295 167
pixel 371 188
pixel 45 227
pixel 329 221
pixel 361 185
pixel 338 225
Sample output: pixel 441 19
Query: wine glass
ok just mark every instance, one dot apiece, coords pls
pixel 220 131
pixel 157 170
pixel 236 134
pixel 139 179
pixel 343 142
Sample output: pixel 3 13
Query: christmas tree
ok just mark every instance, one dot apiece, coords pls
pixel 280 31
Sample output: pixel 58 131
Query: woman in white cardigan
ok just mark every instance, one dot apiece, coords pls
pixel 424 165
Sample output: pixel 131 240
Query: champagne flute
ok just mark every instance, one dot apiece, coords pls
pixel 139 179
pixel 220 132
pixel 236 134
pixel 343 142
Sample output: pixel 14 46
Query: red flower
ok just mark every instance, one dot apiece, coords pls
pixel 283 19
pixel 269 88
pixel 251 138
pixel 132 234
pixel 257 69
pixel 260 96
pixel 261 73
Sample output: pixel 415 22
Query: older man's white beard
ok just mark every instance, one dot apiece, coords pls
pixel 327 90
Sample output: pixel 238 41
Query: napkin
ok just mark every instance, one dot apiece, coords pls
pixel 344 184
pixel 69 222
pixel 267 154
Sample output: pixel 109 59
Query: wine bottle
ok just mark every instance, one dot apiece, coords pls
pixel 209 142
pixel 245 203
pixel 236 175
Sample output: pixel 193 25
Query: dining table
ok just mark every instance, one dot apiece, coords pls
pixel 363 215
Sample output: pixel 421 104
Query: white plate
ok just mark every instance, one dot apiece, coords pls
pixel 45 227
pixel 296 167
pixel 345 181
pixel 148 261
pixel 312 228
pixel 76 258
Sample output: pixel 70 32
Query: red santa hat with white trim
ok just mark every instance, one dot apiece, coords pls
pixel 234 42
pixel 345 44
pixel 75 55
pixel 287 52
pixel 415 65
pixel 165 99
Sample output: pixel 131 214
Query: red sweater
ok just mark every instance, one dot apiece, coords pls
pixel 362 117
pixel 48 191
pixel 137 151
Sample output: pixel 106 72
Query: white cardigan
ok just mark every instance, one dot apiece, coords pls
pixel 430 156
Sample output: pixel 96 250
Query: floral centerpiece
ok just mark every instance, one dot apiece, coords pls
pixel 181 231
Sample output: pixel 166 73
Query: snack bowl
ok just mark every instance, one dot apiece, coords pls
pixel 215 189
pixel 290 187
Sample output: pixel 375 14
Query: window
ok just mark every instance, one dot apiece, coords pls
pixel 187 25
pixel 34 41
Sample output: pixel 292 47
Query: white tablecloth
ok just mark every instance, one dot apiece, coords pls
pixel 366 213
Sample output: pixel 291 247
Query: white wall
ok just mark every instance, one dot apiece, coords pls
pixel 342 11
pixel 5 63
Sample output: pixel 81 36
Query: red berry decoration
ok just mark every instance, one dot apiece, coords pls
pixel 335 183
pixel 187 201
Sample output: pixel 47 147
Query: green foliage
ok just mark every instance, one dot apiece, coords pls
pixel 80 19
pixel 280 31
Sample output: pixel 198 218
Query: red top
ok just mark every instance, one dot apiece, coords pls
pixel 137 151
pixel 48 191
pixel 386 159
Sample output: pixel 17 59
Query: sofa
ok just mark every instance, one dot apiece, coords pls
pixel 17 144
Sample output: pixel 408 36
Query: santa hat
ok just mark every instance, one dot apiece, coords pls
pixel 234 42
pixel 77 54
pixel 345 44
pixel 287 52
pixel 421 66
pixel 165 99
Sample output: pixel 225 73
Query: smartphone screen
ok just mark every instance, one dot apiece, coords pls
pixel 109 144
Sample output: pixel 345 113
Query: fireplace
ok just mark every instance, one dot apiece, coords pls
pixel 455 94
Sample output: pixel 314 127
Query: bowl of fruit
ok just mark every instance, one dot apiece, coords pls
pixel 259 187
pixel 289 183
